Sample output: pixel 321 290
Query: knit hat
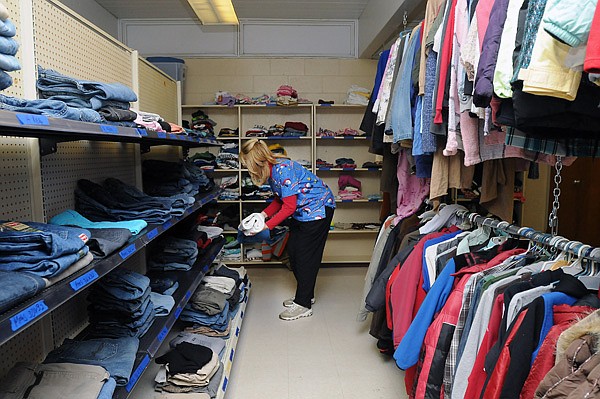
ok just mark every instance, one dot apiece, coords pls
pixel 278 149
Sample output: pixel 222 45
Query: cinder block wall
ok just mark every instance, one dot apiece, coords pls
pixel 315 79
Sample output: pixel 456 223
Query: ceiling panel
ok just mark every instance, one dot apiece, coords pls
pixel 278 9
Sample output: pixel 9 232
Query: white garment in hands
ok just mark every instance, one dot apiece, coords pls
pixel 253 224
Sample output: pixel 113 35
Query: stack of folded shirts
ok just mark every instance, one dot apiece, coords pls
pixel 231 148
pixel 286 95
pixel 347 132
pixel 117 356
pixel 345 163
pixel 231 250
pixel 172 253
pixel 276 130
pixel 323 164
pixel 257 131
pixel 35 255
pixel 325 133
pixel 151 121
pixel 250 191
pixel 110 98
pixel 189 368
pixel 120 305
pixel 227 160
pixel 202 125
pixel 204 160
pixel 8 50
pixel 228 132
pixel 372 165
pixel 165 179
pixel 349 188
pixel 229 194
pixel 295 129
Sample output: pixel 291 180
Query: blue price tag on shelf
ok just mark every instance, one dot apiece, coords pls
pixel 347 200
pixel 161 135
pixel 225 381
pixel 167 224
pixel 142 132
pixel 178 311
pixel 348 137
pixel 84 280
pixel 24 317
pixel 163 334
pixel 31 119
pixel 127 252
pixel 242 314
pixel 237 331
pixel 326 105
pixel 137 373
pixel 270 104
pixel 109 129
pixel 348 169
pixel 172 136
pixel 152 234
pixel 188 295
pixel 231 355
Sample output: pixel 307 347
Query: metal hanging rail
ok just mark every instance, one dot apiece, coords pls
pixel 576 248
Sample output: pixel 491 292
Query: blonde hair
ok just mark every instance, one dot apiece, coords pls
pixel 256 156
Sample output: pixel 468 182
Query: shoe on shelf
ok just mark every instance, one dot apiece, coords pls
pixel 295 312
pixel 288 303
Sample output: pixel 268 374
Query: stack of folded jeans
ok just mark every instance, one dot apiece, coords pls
pixel 189 368
pixel 172 253
pixel 98 204
pixel 165 179
pixel 120 305
pixel 44 250
pixel 295 129
pixel 8 50
pixel 57 381
pixel 117 355
pixel 118 116
pixel 105 97
pixel 217 322
pixel 163 282
pixel 50 108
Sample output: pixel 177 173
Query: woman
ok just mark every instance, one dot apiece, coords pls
pixel 305 197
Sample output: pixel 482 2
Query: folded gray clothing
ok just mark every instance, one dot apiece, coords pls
pixel 53 381
pixel 208 300
pixel 217 344
pixel 211 389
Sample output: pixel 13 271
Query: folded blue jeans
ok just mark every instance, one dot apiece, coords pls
pixel 8 46
pixel 5 80
pixel 117 356
pixel 47 267
pixel 17 287
pixel 125 284
pixel 163 304
pixel 9 63
pixel 108 389
pixel 31 241
pixel 7 28
pixel 54 109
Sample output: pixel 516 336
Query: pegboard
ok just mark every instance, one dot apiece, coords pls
pixel 28 346
pixel 76 160
pixel 74 48
pixel 158 92
pixel 15 177
pixel 70 318
pixel 14 11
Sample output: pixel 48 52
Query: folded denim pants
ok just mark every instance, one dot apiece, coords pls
pixel 115 355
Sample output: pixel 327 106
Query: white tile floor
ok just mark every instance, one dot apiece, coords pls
pixel 327 356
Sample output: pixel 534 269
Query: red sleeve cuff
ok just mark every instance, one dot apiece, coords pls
pixel 288 208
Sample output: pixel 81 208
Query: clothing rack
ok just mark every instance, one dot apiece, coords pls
pixel 577 248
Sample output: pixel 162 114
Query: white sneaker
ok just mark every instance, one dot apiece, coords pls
pixel 289 302
pixel 295 312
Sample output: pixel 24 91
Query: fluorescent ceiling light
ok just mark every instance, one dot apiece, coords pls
pixel 212 12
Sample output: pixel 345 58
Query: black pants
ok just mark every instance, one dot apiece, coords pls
pixel 305 248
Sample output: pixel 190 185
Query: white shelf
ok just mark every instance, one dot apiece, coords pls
pixel 230 347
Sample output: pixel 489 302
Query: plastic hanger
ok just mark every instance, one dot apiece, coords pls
pixel 591 282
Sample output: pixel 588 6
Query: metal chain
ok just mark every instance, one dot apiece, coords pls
pixel 553 218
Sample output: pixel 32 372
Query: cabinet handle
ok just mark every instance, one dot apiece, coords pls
pixel 576 181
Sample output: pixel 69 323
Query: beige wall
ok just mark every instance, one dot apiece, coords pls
pixel 314 79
